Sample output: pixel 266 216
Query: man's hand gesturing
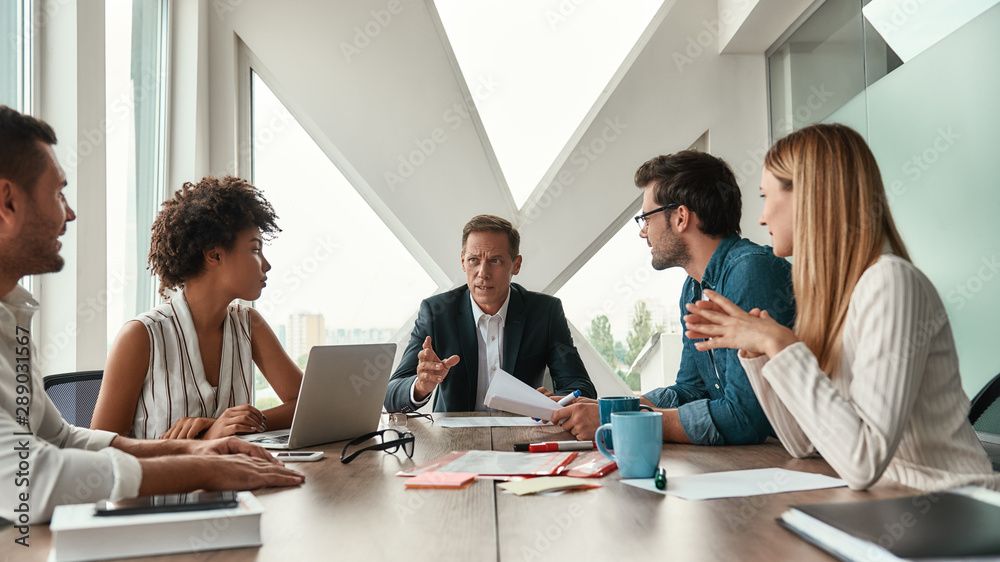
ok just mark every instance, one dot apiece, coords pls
pixel 431 370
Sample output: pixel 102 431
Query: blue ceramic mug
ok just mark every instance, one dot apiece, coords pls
pixel 639 439
pixel 609 404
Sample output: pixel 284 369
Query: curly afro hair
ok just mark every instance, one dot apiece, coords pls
pixel 200 217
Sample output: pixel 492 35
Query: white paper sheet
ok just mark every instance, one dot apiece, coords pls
pixel 510 394
pixel 500 462
pixel 487 422
pixel 738 483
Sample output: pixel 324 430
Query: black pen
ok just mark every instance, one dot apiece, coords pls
pixel 660 479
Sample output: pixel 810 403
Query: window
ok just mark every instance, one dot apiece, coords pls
pixel 338 273
pixel 930 123
pixel 535 69
pixel 15 54
pixel 135 80
pixel 823 66
pixel 15 64
pixel 619 301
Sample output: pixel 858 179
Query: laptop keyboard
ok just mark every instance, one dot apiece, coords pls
pixel 278 440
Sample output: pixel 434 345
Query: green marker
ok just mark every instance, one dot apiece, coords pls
pixel 660 479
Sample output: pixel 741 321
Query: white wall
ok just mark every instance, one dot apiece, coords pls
pixel 398 85
pixel 368 109
pixel 658 365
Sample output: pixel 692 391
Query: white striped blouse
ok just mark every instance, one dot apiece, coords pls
pixel 895 407
pixel 175 386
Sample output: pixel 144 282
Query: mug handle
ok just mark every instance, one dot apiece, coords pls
pixel 599 439
pixel 645 407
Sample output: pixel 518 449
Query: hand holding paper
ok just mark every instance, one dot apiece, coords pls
pixel 510 394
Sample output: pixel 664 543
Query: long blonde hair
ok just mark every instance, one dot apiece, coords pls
pixel 841 223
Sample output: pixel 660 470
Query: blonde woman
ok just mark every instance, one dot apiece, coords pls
pixel 869 376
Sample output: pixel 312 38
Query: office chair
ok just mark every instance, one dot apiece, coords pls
pixel 985 418
pixel 75 395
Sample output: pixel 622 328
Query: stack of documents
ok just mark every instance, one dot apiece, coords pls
pixel 547 484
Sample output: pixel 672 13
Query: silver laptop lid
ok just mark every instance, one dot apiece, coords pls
pixel 342 393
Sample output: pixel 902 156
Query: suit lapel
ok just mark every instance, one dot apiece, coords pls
pixel 514 327
pixel 470 344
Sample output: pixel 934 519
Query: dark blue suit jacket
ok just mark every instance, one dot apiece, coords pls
pixel 535 336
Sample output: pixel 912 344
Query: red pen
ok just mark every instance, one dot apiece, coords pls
pixel 555 446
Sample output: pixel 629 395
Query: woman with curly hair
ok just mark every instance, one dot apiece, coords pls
pixel 185 368
pixel 869 377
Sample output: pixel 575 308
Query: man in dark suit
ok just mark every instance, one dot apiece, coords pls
pixel 487 325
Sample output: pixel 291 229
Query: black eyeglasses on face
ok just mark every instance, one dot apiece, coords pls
pixel 641 219
pixel 391 441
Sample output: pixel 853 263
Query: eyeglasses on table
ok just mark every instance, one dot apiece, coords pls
pixel 391 441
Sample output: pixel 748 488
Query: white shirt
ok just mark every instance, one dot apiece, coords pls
pixel 895 407
pixel 64 464
pixel 176 385
pixel 489 333
pixel 489 329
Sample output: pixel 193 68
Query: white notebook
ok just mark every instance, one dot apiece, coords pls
pixel 78 534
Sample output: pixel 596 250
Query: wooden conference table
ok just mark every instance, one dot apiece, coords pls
pixel 361 511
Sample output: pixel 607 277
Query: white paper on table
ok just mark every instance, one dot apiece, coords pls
pixel 502 462
pixel 509 394
pixel 487 422
pixel 738 483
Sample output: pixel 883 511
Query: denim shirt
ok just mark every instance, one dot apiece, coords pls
pixel 716 404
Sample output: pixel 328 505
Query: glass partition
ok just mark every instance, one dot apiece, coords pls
pixel 934 126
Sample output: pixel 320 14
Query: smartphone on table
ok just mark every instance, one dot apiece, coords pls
pixel 297 456
pixel 169 503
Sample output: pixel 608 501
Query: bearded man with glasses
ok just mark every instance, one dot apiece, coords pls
pixel 691 208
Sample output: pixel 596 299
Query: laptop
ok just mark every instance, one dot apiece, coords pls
pixel 340 398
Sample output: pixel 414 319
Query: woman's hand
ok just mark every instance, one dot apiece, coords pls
pixel 238 419
pixel 188 428
pixel 722 324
